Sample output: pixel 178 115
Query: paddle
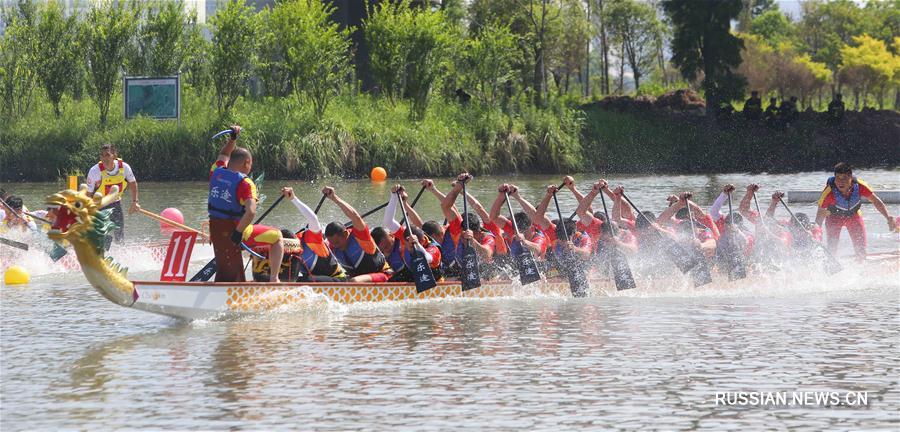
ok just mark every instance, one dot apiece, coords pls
pixel 528 271
pixel 683 260
pixel 209 269
pixel 53 249
pixel 621 270
pixel 13 243
pixel 470 275
pixel 701 272
pixel 420 268
pixel 170 222
pixel 832 265
pixel 732 254
pixel 575 273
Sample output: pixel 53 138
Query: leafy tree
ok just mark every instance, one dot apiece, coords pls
pixel 109 27
pixel 567 51
pixel 317 51
pixel 164 38
pixel 827 26
pixel 773 27
pixel 233 51
pixel 635 25
pixel 703 43
pixel 751 10
pixel 867 67
pixel 58 50
pixel 541 16
pixel 410 50
pixel 488 63
pixel 271 64
pixel 18 59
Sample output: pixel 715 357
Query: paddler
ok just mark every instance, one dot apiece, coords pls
pixel 438 233
pixel 113 171
pixel 354 248
pixel 839 206
pixel 319 262
pixel 396 243
pixel 232 206
pixel 801 232
pixel 477 236
pixel 17 218
pixel 530 235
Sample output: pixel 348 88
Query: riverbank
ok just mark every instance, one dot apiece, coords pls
pixel 360 132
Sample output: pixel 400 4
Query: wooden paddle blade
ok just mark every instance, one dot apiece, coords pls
pixel 680 257
pixel 575 273
pixel 528 271
pixel 470 273
pixel 621 270
pixel 14 244
pixel 424 277
pixel 701 272
pixel 206 273
pixel 732 257
pixel 56 252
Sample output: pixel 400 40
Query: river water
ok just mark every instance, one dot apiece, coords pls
pixel 654 358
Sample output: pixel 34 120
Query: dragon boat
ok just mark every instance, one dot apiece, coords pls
pixel 81 222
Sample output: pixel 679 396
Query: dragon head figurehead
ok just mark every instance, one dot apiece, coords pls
pixel 80 221
pixel 79 218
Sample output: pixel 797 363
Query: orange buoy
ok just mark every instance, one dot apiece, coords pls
pixel 378 174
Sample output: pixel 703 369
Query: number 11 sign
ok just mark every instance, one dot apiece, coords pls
pixel 178 256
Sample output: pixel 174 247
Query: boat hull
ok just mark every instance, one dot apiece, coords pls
pixel 197 300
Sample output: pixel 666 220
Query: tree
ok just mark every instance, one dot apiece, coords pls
pixel 751 10
pixel 702 42
pixel 233 52
pixel 635 25
pixel 541 19
pixel 18 60
pixel 867 67
pixel 58 50
pixel 773 27
pixel 163 40
pixel 108 29
pixel 410 50
pixel 488 63
pixel 827 26
pixel 567 48
pixel 316 50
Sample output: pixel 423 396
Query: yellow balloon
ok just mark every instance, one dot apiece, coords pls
pixel 16 275
pixel 378 174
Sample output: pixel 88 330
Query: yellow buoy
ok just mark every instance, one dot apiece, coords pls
pixel 378 174
pixel 16 275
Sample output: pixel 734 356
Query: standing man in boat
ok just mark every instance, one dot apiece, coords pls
pixel 354 248
pixel 839 206
pixel 113 171
pixel 232 207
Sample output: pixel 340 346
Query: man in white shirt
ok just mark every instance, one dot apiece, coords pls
pixel 112 171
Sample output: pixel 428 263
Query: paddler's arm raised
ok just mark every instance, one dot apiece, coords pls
pixel 495 215
pixel 230 144
pixel 744 207
pixel 348 210
pixel 414 218
pixel 540 219
pixel 776 198
pixel 479 209
pixel 541 210
pixel 569 182
pixel 388 222
pixel 448 204
pixel 428 184
pixel 665 218
pixel 584 212
pixel 714 209
pixel 311 218
pixel 620 210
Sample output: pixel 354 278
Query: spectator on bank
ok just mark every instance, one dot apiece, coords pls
pixel 787 112
pixel 836 109
pixel 771 113
pixel 753 107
